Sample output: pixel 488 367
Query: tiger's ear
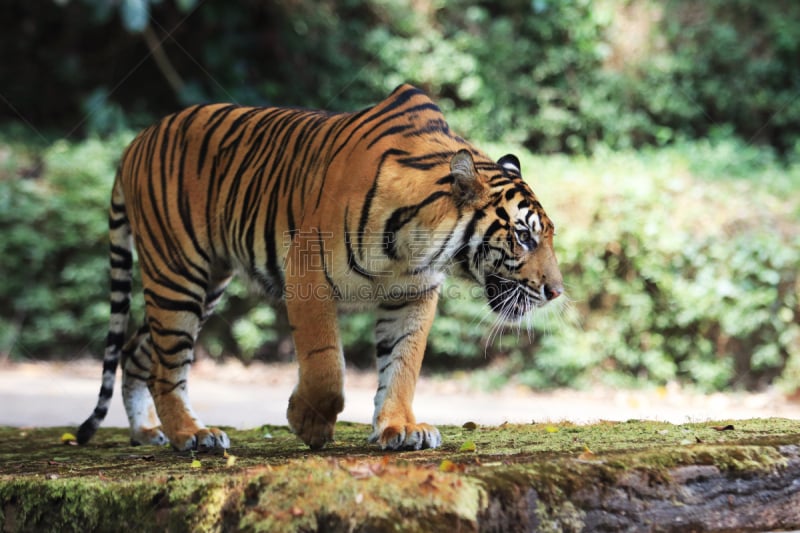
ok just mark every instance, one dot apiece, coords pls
pixel 467 186
pixel 510 162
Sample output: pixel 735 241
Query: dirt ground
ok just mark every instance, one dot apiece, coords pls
pixel 230 394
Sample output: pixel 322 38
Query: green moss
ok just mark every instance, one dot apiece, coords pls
pixel 277 484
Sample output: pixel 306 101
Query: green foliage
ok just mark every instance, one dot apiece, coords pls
pixel 677 275
pixel 727 63
pixel 53 291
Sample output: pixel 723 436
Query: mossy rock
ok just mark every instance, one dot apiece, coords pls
pixel 635 475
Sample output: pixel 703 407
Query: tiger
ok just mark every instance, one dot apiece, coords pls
pixel 320 211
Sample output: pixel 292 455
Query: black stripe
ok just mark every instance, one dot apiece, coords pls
pixel 352 263
pixel 184 208
pixel 365 117
pixel 336 293
pixel 168 304
pixel 429 106
pixel 427 162
pixel 115 339
pixel 172 366
pixel 110 365
pixel 385 348
pixel 131 375
pixel 175 349
pixel 139 364
pixel 402 216
pixel 323 349
pixel 116 223
pixel 121 285
pixel 125 260
pixel 392 306
pixel 362 222
pixel 172 386
pixel 214 122
pixel 434 125
pixel 394 130
pixel 435 256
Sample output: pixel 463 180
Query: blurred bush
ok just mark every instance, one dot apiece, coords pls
pixel 681 264
pixel 53 241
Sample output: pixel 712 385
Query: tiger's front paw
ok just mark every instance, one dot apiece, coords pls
pixel 406 437
pixel 204 439
pixel 313 420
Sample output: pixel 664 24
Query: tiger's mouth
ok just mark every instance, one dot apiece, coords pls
pixel 508 298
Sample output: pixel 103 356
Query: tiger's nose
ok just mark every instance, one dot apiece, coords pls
pixel 552 292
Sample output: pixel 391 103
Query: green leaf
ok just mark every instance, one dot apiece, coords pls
pixel 468 446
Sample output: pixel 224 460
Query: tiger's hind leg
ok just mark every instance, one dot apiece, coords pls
pixel 142 417
pixel 175 312
pixel 136 364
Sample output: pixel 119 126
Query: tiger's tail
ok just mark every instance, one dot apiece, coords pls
pixel 121 260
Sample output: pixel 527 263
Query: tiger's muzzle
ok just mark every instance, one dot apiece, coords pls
pixel 512 299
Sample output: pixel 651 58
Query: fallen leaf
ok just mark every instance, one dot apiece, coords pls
pixel 587 454
pixel 468 446
pixel 447 466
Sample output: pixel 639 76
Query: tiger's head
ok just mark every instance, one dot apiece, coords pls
pixel 508 240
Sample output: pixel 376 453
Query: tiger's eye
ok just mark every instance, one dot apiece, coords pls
pixel 525 238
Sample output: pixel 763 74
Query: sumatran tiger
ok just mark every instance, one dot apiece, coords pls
pixel 320 210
